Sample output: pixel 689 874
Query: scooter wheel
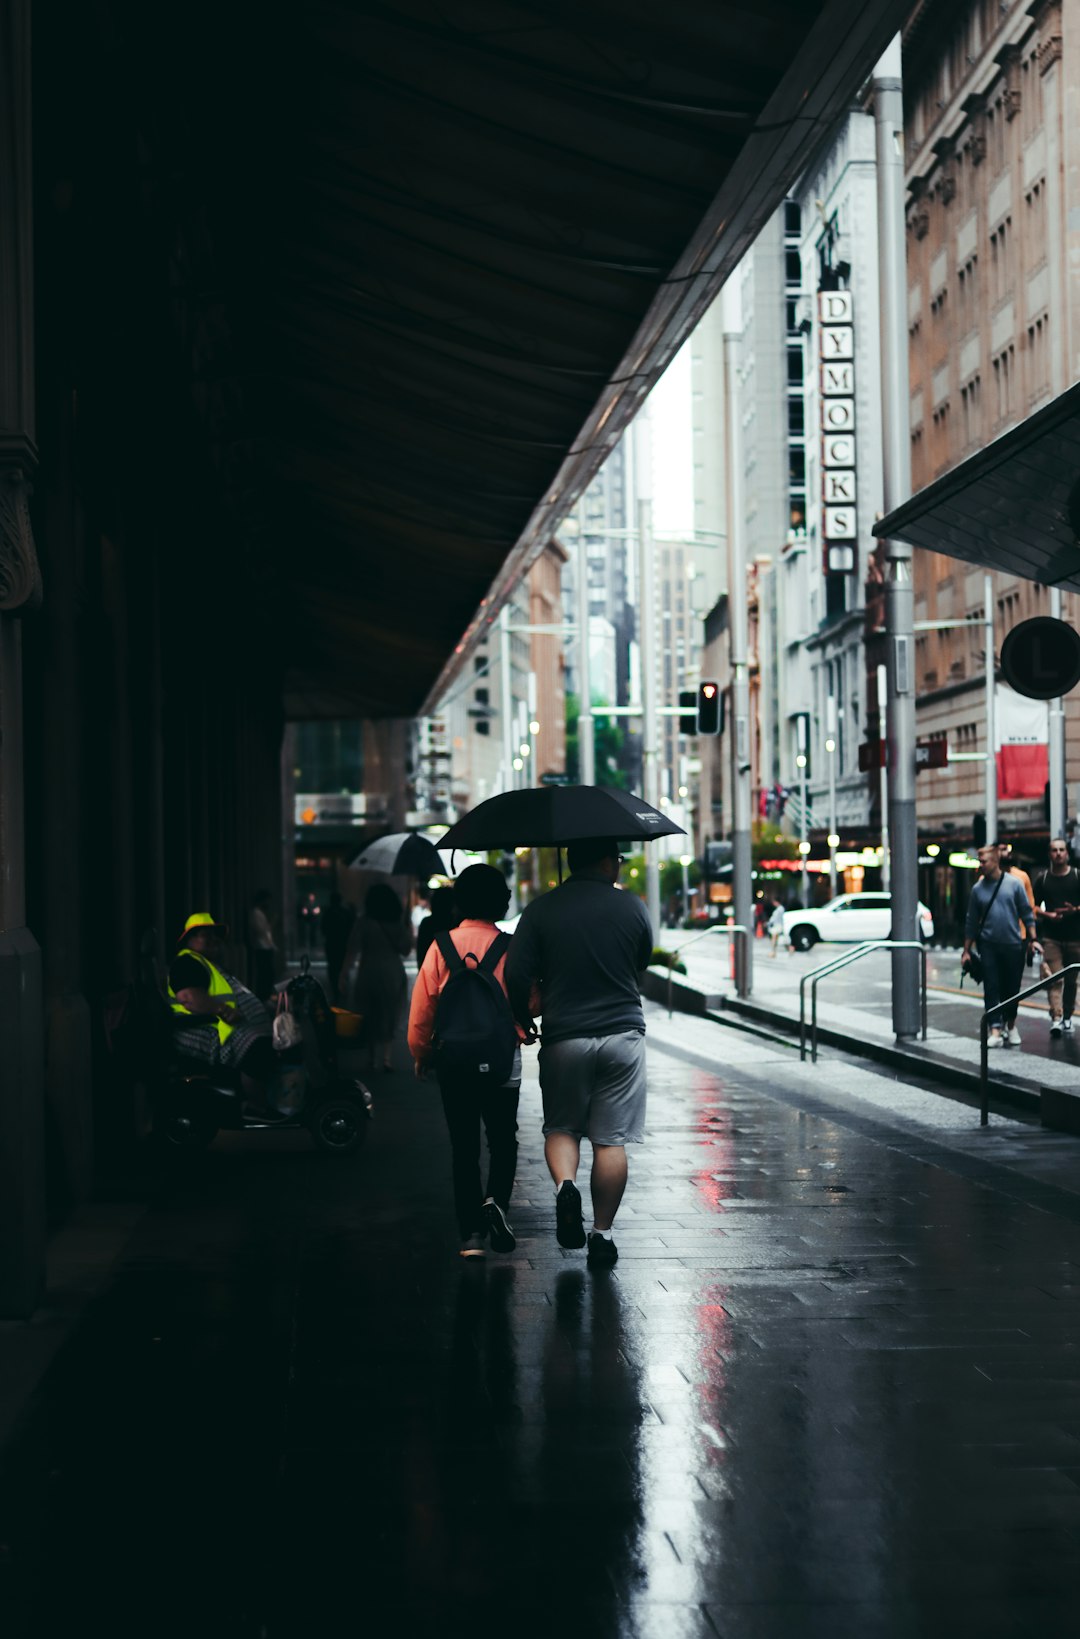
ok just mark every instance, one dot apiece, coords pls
pixel 185 1132
pixel 338 1126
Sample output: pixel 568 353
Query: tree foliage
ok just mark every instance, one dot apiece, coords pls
pixel 608 741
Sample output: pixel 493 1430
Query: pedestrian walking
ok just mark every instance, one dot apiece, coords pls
pixel 262 950
pixel 460 1023
pixel 1011 868
pixel 585 944
pixel 1057 919
pixel 373 973
pixel 336 920
pixel 997 910
pixel 443 916
pixel 775 926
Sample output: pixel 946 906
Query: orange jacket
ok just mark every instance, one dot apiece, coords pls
pixel 468 936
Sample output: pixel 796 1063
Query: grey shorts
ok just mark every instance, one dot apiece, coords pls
pixel 594 1087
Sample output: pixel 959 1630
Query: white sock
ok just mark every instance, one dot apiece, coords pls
pixel 604 1234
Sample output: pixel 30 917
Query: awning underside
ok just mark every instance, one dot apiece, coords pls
pixel 1015 506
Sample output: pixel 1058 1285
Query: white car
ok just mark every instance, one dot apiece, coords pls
pixel 848 920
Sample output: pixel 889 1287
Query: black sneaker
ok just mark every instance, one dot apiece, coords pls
pixel 499 1233
pixel 603 1253
pixel 569 1225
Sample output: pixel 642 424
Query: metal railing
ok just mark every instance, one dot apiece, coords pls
pixel 717 927
pixel 815 976
pixel 984 1033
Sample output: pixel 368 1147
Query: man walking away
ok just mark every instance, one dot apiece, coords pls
pixel 585 944
pixel 997 908
pixel 1057 899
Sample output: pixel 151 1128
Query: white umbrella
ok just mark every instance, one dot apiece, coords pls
pixel 403 853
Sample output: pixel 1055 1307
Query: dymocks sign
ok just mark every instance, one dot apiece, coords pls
pixel 836 340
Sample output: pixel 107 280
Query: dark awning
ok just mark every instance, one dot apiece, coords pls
pixel 431 258
pixel 1015 506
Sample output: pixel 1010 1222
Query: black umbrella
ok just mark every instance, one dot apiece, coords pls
pixel 553 815
pixel 403 853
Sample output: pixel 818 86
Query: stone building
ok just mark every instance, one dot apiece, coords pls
pixel 992 150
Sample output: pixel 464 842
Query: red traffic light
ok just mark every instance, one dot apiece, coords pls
pixel 710 713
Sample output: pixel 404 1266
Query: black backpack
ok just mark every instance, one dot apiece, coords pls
pixel 475 1034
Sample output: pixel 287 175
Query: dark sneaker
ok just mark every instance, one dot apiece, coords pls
pixel 603 1254
pixel 472 1247
pixel 569 1225
pixel 499 1233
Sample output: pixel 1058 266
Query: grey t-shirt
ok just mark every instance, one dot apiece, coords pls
pixel 1009 909
pixel 585 942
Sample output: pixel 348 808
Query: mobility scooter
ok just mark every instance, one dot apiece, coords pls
pixel 193 1102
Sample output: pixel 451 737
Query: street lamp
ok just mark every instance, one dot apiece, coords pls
pixel 534 727
pixel 684 861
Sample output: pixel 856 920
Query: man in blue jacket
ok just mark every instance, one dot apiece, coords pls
pixel 585 944
pixel 996 910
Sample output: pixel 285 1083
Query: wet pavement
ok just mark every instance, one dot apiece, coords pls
pixel 831 1387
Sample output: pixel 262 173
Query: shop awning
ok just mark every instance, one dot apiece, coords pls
pixel 1015 506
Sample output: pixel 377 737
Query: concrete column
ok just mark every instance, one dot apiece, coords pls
pixel 22 1132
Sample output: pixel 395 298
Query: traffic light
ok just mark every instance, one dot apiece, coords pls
pixel 710 709
pixel 687 711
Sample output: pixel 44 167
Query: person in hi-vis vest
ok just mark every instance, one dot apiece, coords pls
pixel 217 1018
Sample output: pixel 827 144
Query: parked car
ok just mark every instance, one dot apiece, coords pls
pixel 848 920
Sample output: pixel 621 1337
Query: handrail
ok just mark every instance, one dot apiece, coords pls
pixel 845 960
pixel 717 927
pixel 984 1034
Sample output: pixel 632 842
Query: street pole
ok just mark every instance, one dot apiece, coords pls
pixel 1058 802
pixel 883 740
pixel 684 861
pixel 991 719
pixel 585 740
pixel 899 590
pixel 649 747
pixel 742 862
pixel 804 821
pixel 830 748
pixel 505 698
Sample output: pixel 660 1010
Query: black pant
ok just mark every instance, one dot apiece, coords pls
pixel 465 1104
pixel 1003 976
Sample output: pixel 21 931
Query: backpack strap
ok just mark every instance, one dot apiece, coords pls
pixel 494 952
pixel 449 952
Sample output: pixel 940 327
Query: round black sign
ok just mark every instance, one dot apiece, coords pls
pixel 1041 658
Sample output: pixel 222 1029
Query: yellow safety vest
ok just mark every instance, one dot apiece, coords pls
pixel 218 986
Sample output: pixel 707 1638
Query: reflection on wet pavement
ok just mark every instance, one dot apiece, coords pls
pixel 829 1388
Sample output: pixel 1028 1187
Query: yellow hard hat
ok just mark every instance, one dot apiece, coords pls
pixel 201 919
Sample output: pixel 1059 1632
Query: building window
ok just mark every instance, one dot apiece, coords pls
pixel 1039 356
pixel 1005 383
pixel 796 415
pixel 793 270
pixel 1036 220
pixel 1000 255
pixel 970 403
pixel 792 219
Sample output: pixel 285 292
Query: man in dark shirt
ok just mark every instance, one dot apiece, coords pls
pixel 585 944
pixel 1057 900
